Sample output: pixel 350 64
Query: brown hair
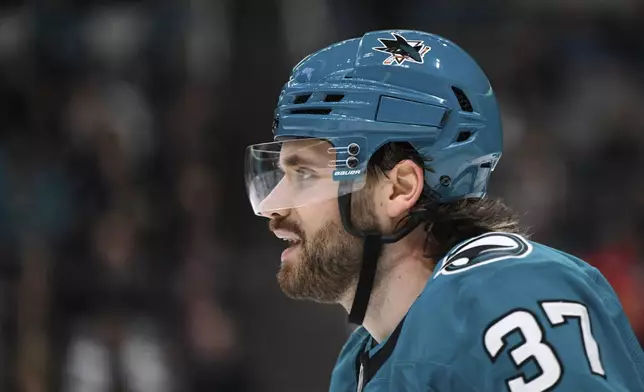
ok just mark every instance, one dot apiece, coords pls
pixel 446 224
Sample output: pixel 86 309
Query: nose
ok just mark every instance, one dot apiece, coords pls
pixel 275 213
pixel 277 203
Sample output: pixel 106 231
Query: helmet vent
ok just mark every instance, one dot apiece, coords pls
pixel 463 136
pixel 301 99
pixel 310 111
pixel 333 98
pixel 463 101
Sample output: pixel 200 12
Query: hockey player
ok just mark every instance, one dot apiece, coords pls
pixel 376 176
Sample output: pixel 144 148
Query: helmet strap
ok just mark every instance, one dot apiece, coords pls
pixel 372 249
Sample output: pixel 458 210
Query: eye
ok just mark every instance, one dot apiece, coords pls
pixel 304 174
pixel 300 177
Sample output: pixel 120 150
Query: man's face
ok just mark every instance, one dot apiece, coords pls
pixel 323 260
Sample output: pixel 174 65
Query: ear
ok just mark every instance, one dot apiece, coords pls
pixel 404 187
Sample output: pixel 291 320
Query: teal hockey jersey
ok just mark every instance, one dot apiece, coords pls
pixel 501 313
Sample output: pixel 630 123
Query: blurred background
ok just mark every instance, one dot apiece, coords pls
pixel 130 257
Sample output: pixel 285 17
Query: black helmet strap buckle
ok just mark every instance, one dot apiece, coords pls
pixel 372 248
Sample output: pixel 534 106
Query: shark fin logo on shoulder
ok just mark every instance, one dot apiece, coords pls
pixel 483 250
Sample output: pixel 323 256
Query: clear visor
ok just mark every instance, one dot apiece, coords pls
pixel 299 172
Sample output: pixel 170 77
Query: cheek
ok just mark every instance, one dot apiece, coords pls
pixel 315 216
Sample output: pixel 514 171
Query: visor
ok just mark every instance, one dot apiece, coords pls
pixel 295 173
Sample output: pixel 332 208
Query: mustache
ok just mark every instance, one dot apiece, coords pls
pixel 283 224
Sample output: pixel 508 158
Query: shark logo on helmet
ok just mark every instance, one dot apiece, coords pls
pixel 400 50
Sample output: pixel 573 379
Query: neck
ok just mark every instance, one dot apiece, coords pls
pixel 400 279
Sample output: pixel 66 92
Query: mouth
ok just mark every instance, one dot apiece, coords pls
pixel 291 238
pixel 288 236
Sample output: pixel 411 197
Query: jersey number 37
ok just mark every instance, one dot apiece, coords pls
pixel 534 345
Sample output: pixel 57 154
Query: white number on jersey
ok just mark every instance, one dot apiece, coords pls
pixel 536 348
pixel 557 313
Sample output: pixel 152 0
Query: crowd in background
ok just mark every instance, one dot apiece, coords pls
pixel 131 260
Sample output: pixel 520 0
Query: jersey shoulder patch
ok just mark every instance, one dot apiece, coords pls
pixel 483 250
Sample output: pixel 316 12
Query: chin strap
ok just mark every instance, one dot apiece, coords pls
pixel 372 248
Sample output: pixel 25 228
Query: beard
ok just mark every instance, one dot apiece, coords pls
pixel 329 261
